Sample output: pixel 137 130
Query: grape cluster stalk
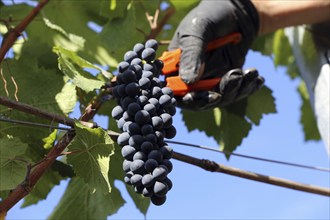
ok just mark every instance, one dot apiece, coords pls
pixel 144 115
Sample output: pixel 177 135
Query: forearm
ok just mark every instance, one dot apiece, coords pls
pixel 275 14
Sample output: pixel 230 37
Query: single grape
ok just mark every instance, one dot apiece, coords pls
pixel 121 90
pixel 170 132
pixel 160 172
pixel 146 129
pixel 157 122
pixel 129 76
pixel 136 61
pixel 130 55
pixel 171 110
pixel 139 155
pixel 148 54
pixel 159 64
pixel 136 141
pixel 166 151
pixel 150 108
pixel 155 102
pixel 132 89
pixel 120 123
pixel 128 152
pixel 160 188
pixel 127 117
pixel 160 136
pixel 150 165
pixel 127 178
pixel 168 164
pixel 148 180
pixel 147 192
pixel 134 128
pixel 117 112
pixel 142 100
pixel 156 82
pixel 137 166
pixel 125 127
pixel 137 69
pixel 156 93
pixel 167 91
pixel 126 165
pixel 151 43
pixel 138 48
pixel 158 201
pixel 136 180
pixel 149 67
pixel 151 138
pixel 122 66
pixel 133 108
pixel 145 93
pixel 144 83
pixel 147 74
pixel 123 139
pixel 168 182
pixel 156 155
pixel 165 100
pixel 142 117
pixel 146 147
pixel 167 120
pixel 138 189
pixel 115 93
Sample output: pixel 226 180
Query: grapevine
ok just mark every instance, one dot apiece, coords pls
pixel 144 115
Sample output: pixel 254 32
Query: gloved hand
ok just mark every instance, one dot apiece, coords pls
pixel 234 85
pixel 209 21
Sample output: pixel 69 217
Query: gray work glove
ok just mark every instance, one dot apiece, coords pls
pixel 208 21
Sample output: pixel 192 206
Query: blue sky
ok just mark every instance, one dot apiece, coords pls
pixel 199 194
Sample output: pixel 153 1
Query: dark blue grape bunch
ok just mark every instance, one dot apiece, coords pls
pixel 144 115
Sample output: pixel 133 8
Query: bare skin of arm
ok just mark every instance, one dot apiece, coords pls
pixel 275 14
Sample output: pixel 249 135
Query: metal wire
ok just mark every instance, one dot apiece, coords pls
pixel 250 157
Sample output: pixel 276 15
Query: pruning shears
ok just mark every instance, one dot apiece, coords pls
pixel 171 61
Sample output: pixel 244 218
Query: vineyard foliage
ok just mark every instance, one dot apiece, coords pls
pixel 62 60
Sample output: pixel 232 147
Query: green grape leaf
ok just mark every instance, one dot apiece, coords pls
pixel 264 44
pixel 281 48
pixel 67 98
pixel 232 131
pixel 13 162
pixel 72 66
pixel 209 123
pixel 78 202
pixel 90 159
pixel 260 103
pixel 307 118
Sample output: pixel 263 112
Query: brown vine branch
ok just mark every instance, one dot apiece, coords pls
pixel 215 167
pixel 14 33
pixel 156 27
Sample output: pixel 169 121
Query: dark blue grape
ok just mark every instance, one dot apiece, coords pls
pixel 129 76
pixel 150 108
pixel 149 67
pixel 151 138
pixel 145 93
pixel 160 172
pixel 136 141
pixel 173 101
pixel 148 180
pixel 140 156
pixel 132 89
pixel 158 201
pixel 150 165
pixel 128 152
pixel 168 164
pixel 136 180
pixel 170 132
pixel 147 74
pixel 137 69
pixel 156 155
pixel 151 43
pixel 122 66
pixel 126 124
pixel 115 92
pixel 146 147
pixel 123 138
pixel 117 112
pixel 142 117
pixel 134 128
pixel 120 123
pixel 156 82
pixel 157 122
pixel 167 91
pixel 156 92
pixel 146 129
pixel 160 188
pixel 126 165
pixel 165 100
pixel 166 151
pixel 168 182
pixel 136 61
pixel 138 189
pixel 138 48
pixel 127 178
pixel 127 117
pixel 124 102
pixel 159 64
pixel 171 110
pixel 130 55
pixel 155 102
pixel 160 136
pixel 137 166
pixel 148 192
pixel 133 108
pixel 167 120
pixel 144 83
pixel 121 90
pixel 142 100
pixel 148 54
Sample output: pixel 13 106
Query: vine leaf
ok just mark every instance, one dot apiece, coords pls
pixel 260 103
pixel 72 66
pixel 78 202
pixel 13 162
pixel 90 159
pixel 307 120
pixel 67 98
